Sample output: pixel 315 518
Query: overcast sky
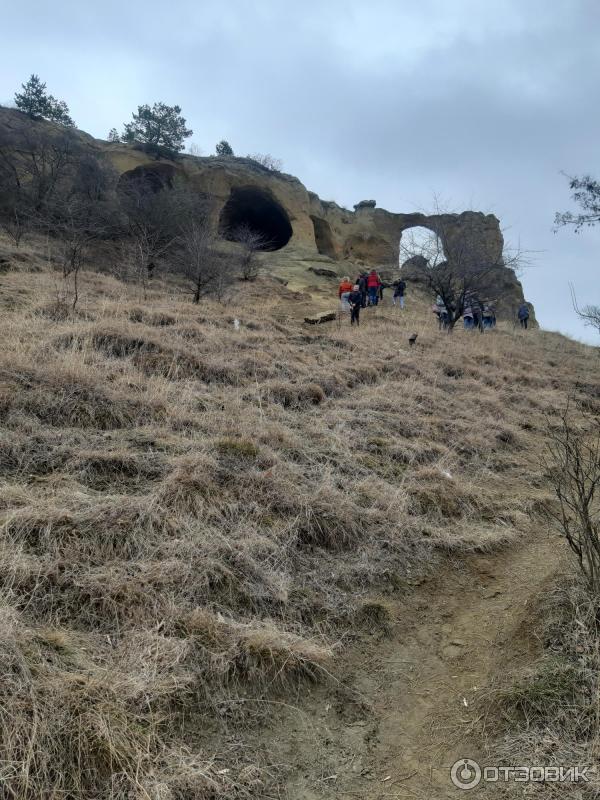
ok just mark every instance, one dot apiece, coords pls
pixel 481 103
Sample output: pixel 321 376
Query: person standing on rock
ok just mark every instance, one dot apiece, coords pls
pixel 344 291
pixel 373 284
pixel 355 300
pixel 523 315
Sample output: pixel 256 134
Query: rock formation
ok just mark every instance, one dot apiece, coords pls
pixel 293 219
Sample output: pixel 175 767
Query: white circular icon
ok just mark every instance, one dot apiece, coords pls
pixel 465 773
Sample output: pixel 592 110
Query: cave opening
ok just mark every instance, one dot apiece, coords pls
pixel 324 237
pixel 255 209
pixel 148 178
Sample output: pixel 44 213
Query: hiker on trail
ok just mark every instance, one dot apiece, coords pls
pixel 523 315
pixel 362 288
pixel 469 322
pixel 344 290
pixel 399 289
pixel 440 310
pixel 373 284
pixel 489 316
pixel 355 300
pixel 477 310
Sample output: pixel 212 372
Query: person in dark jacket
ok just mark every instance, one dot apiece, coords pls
pixel 523 315
pixel 355 301
pixel 489 316
pixel 362 288
pixel 477 308
pixel 399 289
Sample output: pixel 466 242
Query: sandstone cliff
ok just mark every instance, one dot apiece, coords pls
pixel 299 225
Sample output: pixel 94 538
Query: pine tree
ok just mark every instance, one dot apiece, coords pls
pixel 223 148
pixel 58 111
pixel 34 102
pixel 160 127
pixel 113 135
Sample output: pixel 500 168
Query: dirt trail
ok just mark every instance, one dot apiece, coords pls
pixel 412 708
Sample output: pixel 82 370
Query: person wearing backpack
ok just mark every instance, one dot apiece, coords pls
pixel 362 288
pixel 523 315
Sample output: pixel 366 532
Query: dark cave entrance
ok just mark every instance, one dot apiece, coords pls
pixel 257 210
pixel 148 178
pixel 324 237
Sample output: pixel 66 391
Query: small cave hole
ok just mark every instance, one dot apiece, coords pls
pixel 324 237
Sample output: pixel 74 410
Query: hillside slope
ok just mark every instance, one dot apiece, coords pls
pixel 212 516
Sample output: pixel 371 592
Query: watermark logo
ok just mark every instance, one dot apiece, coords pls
pixel 467 774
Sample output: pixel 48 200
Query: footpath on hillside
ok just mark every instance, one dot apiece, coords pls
pixel 411 702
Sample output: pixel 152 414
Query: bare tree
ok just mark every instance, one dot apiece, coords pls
pixel 574 470
pixel 194 149
pixel 153 228
pixel 589 314
pixel 15 216
pixel 36 164
pixel 209 272
pixel 585 191
pixel 85 213
pixel 251 243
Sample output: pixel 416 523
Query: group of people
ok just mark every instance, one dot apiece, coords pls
pixel 366 291
pixel 476 314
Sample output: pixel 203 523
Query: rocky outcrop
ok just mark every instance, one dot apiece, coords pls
pixel 291 218
pixel 365 204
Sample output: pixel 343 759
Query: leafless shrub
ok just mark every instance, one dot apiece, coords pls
pixel 589 314
pixel 251 243
pixel 268 161
pixel 209 271
pixel 574 471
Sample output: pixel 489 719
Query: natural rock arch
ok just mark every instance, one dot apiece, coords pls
pixel 257 209
pixel 421 242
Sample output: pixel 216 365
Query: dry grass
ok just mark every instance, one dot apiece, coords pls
pixel 549 716
pixel 193 514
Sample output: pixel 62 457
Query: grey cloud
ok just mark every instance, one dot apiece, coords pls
pixel 481 103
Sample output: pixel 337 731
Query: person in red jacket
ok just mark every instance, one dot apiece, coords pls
pixel 373 284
